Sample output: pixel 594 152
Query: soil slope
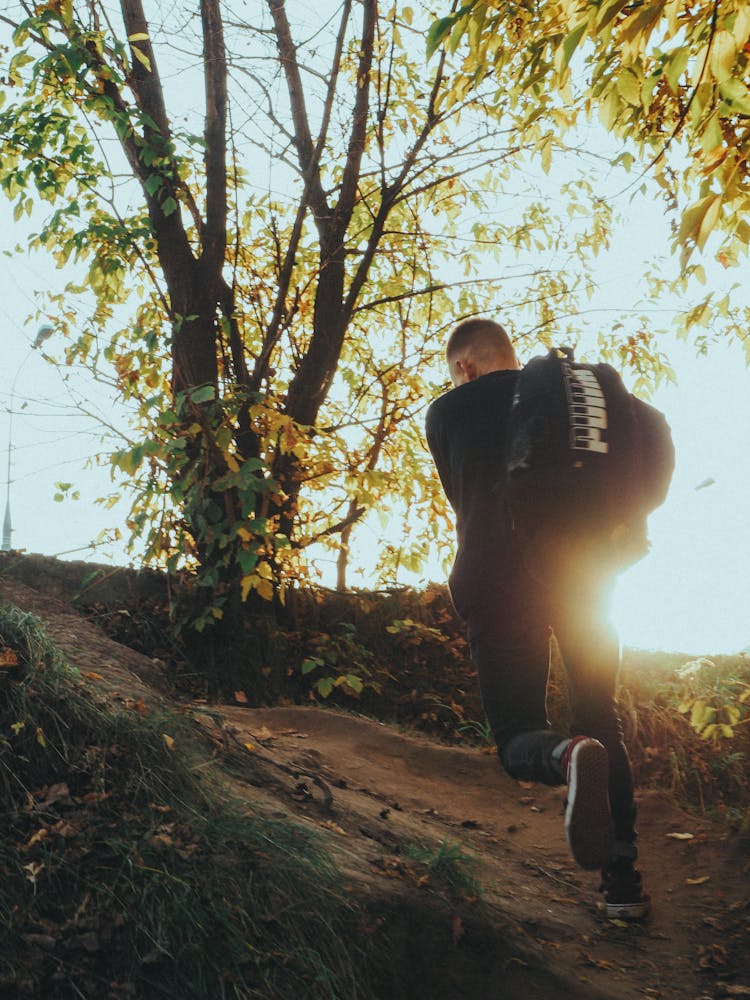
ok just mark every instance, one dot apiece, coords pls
pixel 372 790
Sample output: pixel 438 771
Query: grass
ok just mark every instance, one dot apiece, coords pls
pixel 448 865
pixel 124 874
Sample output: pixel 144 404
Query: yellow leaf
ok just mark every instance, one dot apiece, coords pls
pixel 742 26
pixel 709 221
pixel 723 55
pixel 265 589
pixel 246 585
pixel 168 741
pixel 681 836
pixel 697 881
pixel 330 825
pixel 232 463
pixel 142 58
pixel 264 570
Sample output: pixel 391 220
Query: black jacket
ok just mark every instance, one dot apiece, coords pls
pixel 466 432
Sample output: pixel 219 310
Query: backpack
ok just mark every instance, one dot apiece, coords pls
pixel 586 462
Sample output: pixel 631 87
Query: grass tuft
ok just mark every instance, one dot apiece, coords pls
pixel 447 864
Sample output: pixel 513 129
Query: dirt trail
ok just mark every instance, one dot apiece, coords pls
pixel 393 788
pixel 374 790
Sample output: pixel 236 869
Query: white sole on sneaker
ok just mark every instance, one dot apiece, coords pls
pixel 628 911
pixel 588 821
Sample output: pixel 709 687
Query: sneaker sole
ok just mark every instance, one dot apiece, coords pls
pixel 588 822
pixel 628 911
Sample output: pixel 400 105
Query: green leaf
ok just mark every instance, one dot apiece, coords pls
pixel 324 686
pixel 675 65
pixel 439 30
pixel 737 96
pixel 355 683
pixel 203 394
pixel 153 183
pixel 571 42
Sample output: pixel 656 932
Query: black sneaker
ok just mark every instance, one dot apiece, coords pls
pixel 588 821
pixel 622 887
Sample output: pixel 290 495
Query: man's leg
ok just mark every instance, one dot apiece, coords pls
pixel 591 653
pixel 513 666
pixel 513 669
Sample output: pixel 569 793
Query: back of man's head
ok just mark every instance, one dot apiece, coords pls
pixel 476 347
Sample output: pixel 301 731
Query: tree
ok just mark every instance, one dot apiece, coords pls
pixel 269 295
pixel 670 76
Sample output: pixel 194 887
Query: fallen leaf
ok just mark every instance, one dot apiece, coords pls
pixel 241 697
pixel 598 963
pixel 64 829
pixel 329 824
pixel 168 741
pixel 681 836
pixel 697 881
pixel 92 675
pixel 35 838
pixel 264 733
pixel 57 793
pixel 33 868
pixel 250 746
pixel 8 658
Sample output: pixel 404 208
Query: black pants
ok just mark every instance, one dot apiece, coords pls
pixel 509 633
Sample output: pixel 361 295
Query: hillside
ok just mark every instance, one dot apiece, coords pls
pixel 399 812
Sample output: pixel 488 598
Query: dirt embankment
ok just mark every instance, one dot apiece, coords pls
pixel 537 930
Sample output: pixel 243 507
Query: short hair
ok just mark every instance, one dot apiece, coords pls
pixel 482 337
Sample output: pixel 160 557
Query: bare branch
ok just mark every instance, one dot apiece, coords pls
pixel 303 136
pixel 215 78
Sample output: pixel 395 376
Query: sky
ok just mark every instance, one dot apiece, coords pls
pixel 690 594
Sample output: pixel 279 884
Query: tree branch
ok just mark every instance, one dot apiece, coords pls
pixel 215 78
pixel 350 179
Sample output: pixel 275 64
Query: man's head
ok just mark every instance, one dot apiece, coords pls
pixel 477 347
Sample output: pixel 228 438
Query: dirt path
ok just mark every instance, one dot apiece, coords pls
pixel 392 789
pixel 373 791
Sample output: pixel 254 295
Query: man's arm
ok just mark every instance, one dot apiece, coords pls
pixel 436 444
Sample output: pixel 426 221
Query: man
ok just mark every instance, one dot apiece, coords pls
pixel 508 615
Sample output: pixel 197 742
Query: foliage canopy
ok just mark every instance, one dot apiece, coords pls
pixel 266 274
pixel 670 75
